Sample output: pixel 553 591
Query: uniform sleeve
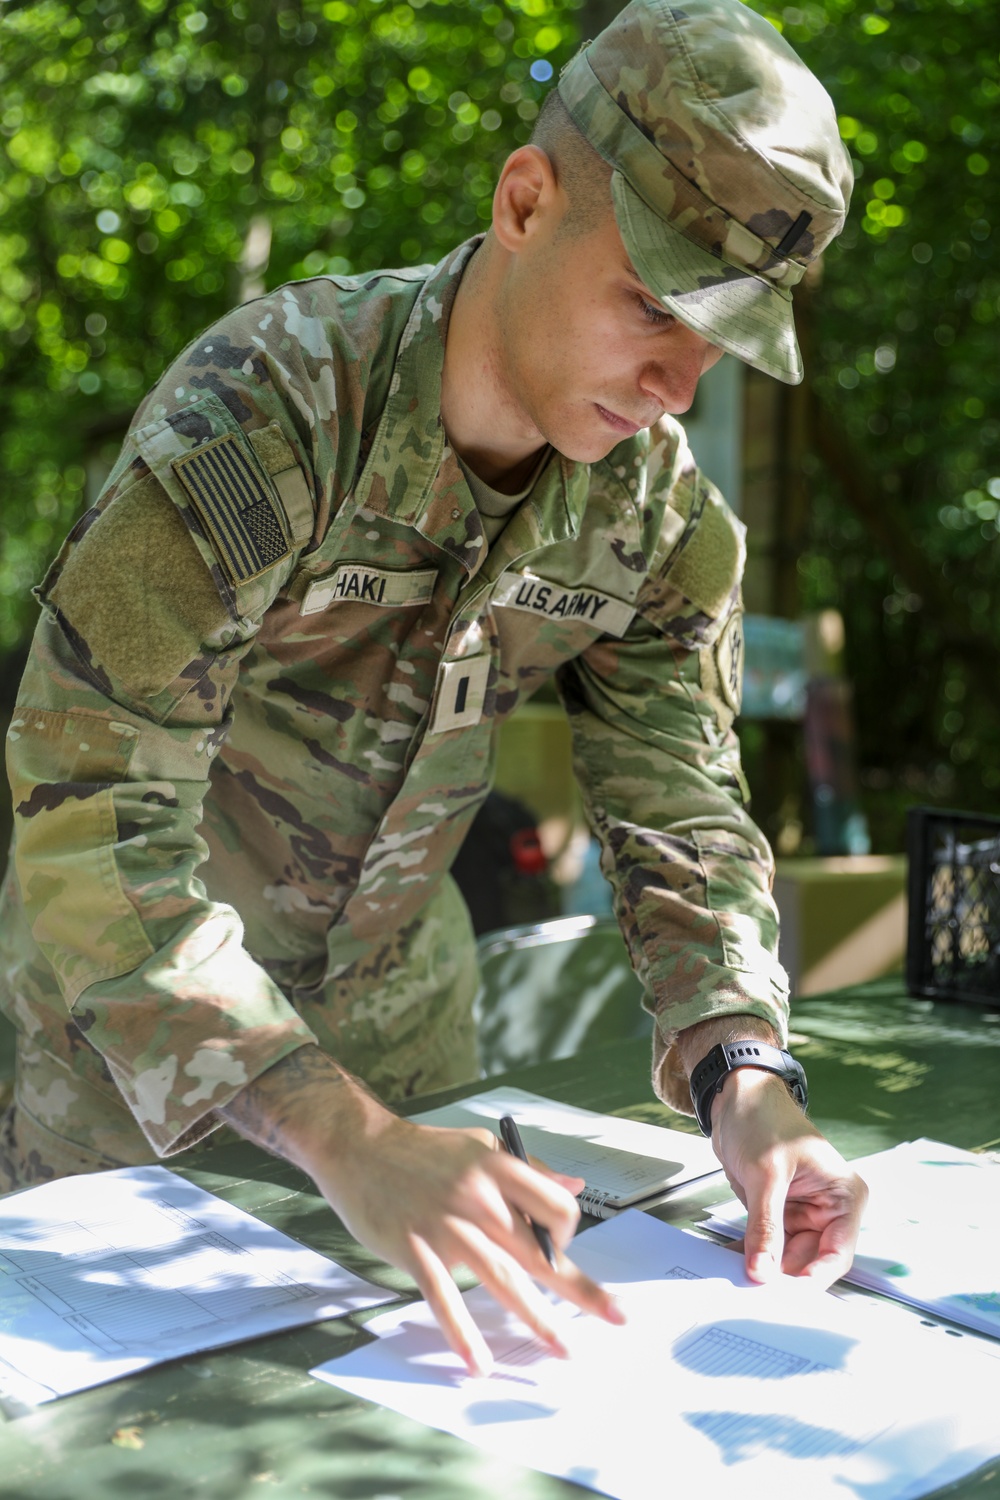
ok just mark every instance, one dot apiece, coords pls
pixel 659 765
pixel 147 614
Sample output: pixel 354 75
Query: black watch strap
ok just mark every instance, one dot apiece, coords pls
pixel 710 1074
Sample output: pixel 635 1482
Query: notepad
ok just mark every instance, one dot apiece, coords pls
pixel 622 1162
pixel 930 1231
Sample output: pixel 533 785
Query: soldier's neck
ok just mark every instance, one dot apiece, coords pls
pixel 485 426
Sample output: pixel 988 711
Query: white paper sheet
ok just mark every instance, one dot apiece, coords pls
pixel 779 1391
pixel 931 1231
pixel 103 1275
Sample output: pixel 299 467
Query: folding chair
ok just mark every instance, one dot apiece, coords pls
pixel 554 989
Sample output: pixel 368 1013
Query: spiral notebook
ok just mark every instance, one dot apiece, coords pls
pixel 624 1163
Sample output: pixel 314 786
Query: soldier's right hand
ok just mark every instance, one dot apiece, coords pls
pixel 425 1199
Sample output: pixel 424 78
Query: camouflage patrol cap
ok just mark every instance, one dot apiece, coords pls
pixel 729 173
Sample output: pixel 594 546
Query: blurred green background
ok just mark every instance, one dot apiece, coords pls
pixel 160 161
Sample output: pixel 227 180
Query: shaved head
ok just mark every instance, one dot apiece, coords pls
pixel 584 176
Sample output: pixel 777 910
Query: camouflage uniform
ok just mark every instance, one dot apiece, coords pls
pixel 261 710
pixel 262 705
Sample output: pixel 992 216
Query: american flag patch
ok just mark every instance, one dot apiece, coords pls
pixel 234 504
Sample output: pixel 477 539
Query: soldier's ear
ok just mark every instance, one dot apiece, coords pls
pixel 527 198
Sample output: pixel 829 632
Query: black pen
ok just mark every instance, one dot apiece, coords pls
pixel 511 1137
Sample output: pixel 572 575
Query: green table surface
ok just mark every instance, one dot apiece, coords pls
pixel 249 1420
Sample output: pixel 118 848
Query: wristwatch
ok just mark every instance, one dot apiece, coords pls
pixel 711 1073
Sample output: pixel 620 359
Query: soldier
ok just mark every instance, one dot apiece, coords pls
pixel 357 522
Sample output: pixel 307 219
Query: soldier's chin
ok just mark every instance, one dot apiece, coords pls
pixel 588 447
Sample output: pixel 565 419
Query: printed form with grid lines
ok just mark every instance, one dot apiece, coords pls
pixel 781 1390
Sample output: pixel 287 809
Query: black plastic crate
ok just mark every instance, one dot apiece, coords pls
pixel 953 937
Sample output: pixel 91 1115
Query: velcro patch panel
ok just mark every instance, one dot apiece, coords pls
pixel 540 597
pixel 461 694
pixel 236 506
pixel 357 583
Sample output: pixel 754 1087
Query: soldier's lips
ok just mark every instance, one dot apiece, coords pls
pixel 620 424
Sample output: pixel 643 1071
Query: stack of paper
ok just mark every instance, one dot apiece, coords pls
pixel 931 1231
pixel 714 1385
pixel 623 1162
pixel 104 1275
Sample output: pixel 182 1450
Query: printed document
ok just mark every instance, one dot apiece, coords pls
pixel 777 1391
pixel 106 1274
pixel 930 1233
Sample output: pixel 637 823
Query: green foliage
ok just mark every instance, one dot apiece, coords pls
pixel 905 364
pixel 160 161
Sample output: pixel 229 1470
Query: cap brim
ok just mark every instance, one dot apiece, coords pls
pixel 744 314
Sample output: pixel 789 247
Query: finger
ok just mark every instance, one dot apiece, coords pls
pixel 801 1251
pixel 445 1302
pixel 572 1284
pixel 835 1253
pixel 822 1232
pixel 536 1195
pixel 505 1276
pixel 824 1270
pixel 509 1283
pixel 564 1278
pixel 765 1234
pixel 511 1231
pixel 572 1184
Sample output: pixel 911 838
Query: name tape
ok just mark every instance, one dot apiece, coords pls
pixel 363 585
pixel 538 596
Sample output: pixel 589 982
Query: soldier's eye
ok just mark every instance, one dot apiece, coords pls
pixel 652 313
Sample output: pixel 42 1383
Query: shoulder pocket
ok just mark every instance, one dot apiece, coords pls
pixel 708 566
pixel 698 587
pixel 133 588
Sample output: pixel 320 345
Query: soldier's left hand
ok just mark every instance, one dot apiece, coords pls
pixel 803 1201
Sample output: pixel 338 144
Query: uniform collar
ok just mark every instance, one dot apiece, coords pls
pixel 411 474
